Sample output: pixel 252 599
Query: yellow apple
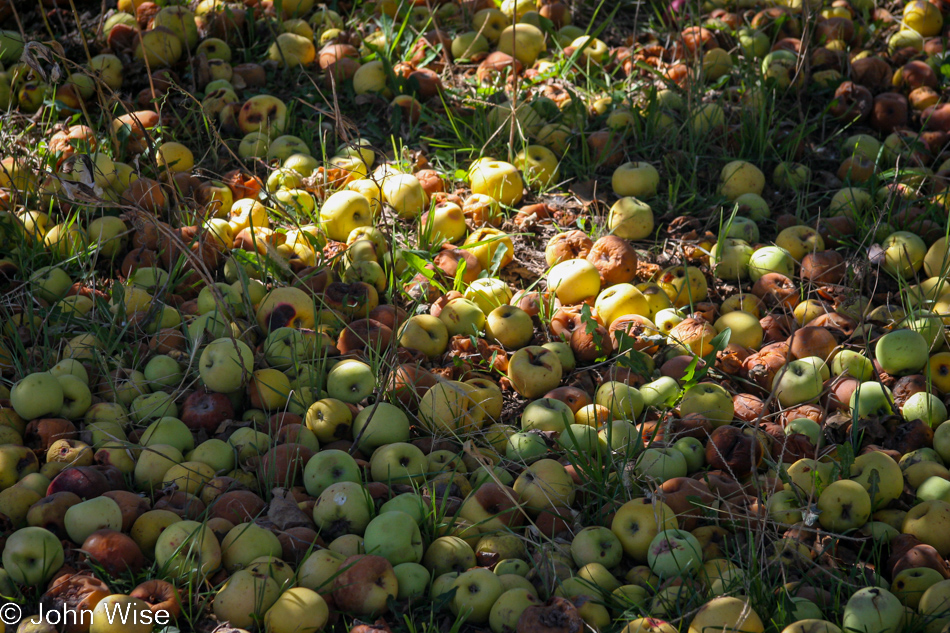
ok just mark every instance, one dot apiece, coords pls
pixel 498 179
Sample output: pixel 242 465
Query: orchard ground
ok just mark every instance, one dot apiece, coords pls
pixel 526 317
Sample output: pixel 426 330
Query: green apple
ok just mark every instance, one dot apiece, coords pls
pixel 873 608
pixel 225 365
pixel 797 382
pixel 351 381
pixel 902 352
pixel 379 424
pixel 476 591
pixel 32 555
pixel 926 407
pixel 711 401
pixel 674 553
pixel 86 517
pixel 844 505
pixel 37 395
pixel 771 259
pixel 245 542
pixel 871 399
pixel 881 477
pixel 395 536
pixel 623 400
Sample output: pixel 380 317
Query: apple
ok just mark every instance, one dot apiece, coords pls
pixel 596 544
pixel 37 395
pixel 926 407
pixel 343 212
pixel 170 431
pixel 120 613
pixel 637 522
pixel 351 381
pixel 497 179
pixel 851 363
pixel 217 454
pixel 726 611
pixel 319 569
pixel 730 259
pixel 86 517
pixel 889 482
pixel 797 382
pixel 799 241
pixel 32 555
pixel 342 508
pixel 424 333
pixel 488 293
pixel 620 300
pixel 444 223
pixel 871 399
pixel 922 17
pixel 933 604
pixel 741 228
pixel 395 536
pixel 534 371
pixel 379 424
pixel 297 610
pixel 476 590
pixel 469 44
pixel 364 585
pixel 902 352
pixel 684 285
pixel 647 625
pixel 844 505
pixel 401 463
pixel 153 463
pixel 623 400
pixel 771 259
pixel 448 408
pixel 674 553
pixel 909 585
pixel 807 427
pixel 245 597
pixel 941 441
pixel 330 420
pixel 448 554
pixel 245 542
pixel 509 325
pixel 327 467
pixel 630 219
pixel 660 391
pixel 225 365
pixel 740 177
pixel 709 400
pixel 873 608
pixel 926 521
pixel 546 414
pixel 188 550
pixel 152 406
pixel 163 371
pixel 508 607
pixel 574 280
pixel 490 23
pixel 538 165
pixel 462 316
pixel 661 464
pixel 404 193
pixel 635 179
pixel 904 254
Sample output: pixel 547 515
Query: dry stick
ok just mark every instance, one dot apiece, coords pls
pixel 514 91
pixel 82 36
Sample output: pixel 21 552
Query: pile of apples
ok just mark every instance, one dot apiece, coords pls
pixel 307 397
